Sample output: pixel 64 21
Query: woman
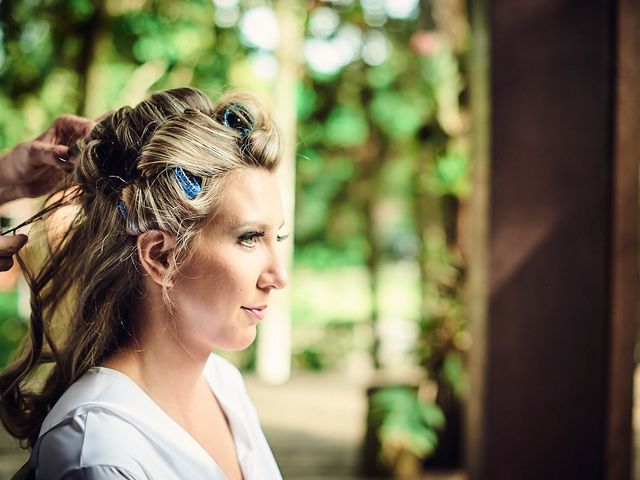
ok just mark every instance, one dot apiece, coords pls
pixel 172 252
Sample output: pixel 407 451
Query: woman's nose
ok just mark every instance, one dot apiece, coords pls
pixel 275 274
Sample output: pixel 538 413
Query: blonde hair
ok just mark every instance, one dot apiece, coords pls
pixel 124 184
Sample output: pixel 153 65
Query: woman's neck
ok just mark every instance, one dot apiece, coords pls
pixel 159 363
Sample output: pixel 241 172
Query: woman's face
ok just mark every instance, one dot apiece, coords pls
pixel 221 292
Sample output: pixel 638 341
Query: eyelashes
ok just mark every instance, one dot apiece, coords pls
pixel 250 239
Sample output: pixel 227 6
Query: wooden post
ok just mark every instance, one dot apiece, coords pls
pixel 479 233
pixel 554 285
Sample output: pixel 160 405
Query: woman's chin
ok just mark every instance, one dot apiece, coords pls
pixel 241 341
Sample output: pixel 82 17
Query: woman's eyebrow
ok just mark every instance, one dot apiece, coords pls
pixel 256 224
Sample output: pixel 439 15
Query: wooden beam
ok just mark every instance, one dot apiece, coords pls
pixel 553 278
pixel 624 241
pixel 479 233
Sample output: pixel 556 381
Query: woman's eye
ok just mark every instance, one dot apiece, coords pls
pixel 282 238
pixel 250 239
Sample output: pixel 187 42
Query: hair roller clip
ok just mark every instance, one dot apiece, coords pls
pixel 236 117
pixel 122 209
pixel 190 184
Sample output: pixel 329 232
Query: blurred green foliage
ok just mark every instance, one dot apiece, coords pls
pixel 12 327
pixel 407 423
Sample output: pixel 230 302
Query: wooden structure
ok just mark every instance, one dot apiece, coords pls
pixel 554 277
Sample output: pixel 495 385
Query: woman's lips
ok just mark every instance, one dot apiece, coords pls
pixel 257 312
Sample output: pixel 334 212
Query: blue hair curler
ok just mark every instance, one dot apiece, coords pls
pixel 122 209
pixel 189 183
pixel 236 117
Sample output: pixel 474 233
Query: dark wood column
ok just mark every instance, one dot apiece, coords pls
pixel 553 281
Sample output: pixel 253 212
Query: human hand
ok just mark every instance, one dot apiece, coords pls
pixel 8 248
pixel 33 168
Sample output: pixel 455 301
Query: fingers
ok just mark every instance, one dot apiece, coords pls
pixel 8 248
pixel 70 128
pixel 10 193
pixel 54 143
pixel 44 153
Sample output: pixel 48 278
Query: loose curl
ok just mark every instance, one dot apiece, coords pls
pixel 127 160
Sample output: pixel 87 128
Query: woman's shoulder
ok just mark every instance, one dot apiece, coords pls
pixel 94 440
pixel 78 433
pixel 98 387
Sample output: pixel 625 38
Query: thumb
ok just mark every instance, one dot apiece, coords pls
pixel 8 247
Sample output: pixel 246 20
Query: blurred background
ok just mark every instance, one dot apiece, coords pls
pixel 377 91
pixel 361 369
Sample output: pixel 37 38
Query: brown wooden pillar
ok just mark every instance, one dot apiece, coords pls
pixel 553 280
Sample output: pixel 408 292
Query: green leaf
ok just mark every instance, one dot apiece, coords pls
pixel 346 127
pixel 454 372
pixel 450 175
pixel 405 421
pixel 399 114
pixel 433 415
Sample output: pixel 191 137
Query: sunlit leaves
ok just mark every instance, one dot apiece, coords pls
pixel 11 123
pixel 450 175
pixel 441 71
pixel 34 34
pixel 346 127
pixel 329 257
pixel 455 373
pixel 12 327
pixel 59 91
pixel 407 423
pixel 305 101
pixel 313 210
pixel 81 9
pixel 156 37
pixel 382 76
pixel 399 114
pixel 29 52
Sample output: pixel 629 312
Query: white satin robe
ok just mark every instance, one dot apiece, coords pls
pixel 104 427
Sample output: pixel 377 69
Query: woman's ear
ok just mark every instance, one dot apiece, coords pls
pixel 155 249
